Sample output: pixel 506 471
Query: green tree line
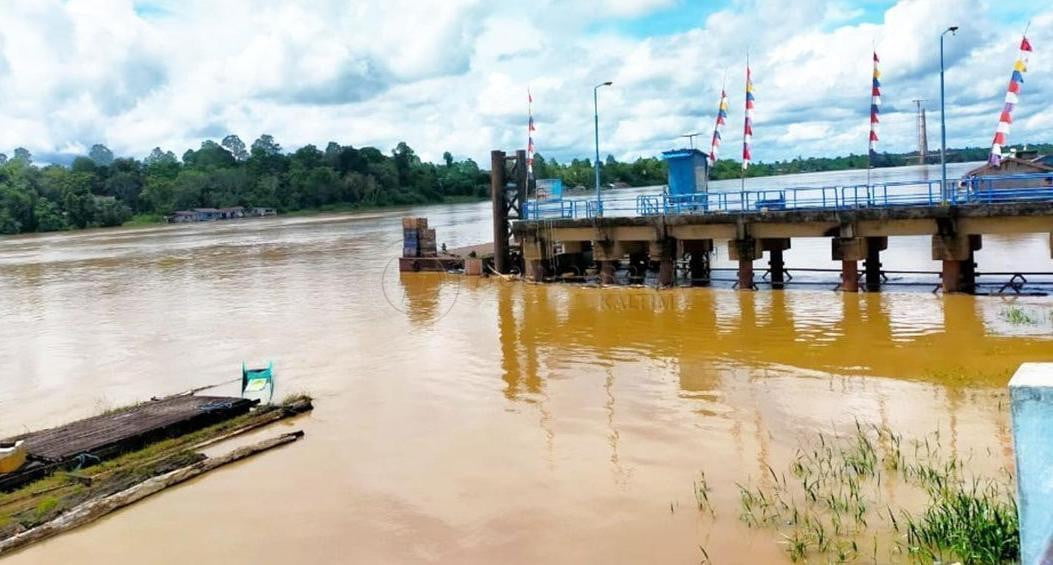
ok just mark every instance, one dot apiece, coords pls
pixel 732 169
pixel 100 190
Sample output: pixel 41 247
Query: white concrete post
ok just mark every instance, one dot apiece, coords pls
pixel 1031 394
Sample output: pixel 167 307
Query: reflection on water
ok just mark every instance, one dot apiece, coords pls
pixel 478 420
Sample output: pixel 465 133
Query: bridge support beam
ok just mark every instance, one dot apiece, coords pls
pixel 698 251
pixel 959 266
pixel 776 265
pixel 745 251
pixel 872 266
pixel 663 252
pixel 850 251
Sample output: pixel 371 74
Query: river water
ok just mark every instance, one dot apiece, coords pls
pixel 476 420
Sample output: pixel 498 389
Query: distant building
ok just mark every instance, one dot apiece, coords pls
pixel 231 213
pixel 181 216
pixel 213 214
pixel 1020 162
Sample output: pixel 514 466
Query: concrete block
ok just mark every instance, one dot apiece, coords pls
pixel 775 244
pixel 877 243
pixel 745 249
pixel 699 245
pixel 661 250
pixel 849 248
pixel 607 251
pixel 954 248
pixel 473 267
pixel 1031 397
pixel 569 247
pixel 535 249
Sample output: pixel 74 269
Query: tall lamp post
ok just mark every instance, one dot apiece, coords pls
pixel 943 122
pixel 596 123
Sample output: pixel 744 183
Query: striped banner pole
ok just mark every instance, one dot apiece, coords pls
pixel 747 125
pixel 875 104
pixel 1012 97
pixel 722 117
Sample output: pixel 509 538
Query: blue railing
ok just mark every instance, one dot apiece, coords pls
pixel 1024 187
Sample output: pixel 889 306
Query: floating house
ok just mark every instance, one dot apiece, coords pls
pixel 213 214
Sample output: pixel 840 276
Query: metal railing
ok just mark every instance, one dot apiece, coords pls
pixel 979 190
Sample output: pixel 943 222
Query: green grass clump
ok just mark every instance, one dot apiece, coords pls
pixel 974 523
pixel 831 508
pixel 1018 316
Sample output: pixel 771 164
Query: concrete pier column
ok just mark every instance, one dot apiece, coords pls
pixel 1031 398
pixel 849 250
pixel 745 251
pixel 607 254
pixel 872 266
pixel 664 253
pixel 536 254
pixel 698 265
pixel 956 253
pixel 952 276
pixel 776 265
pixel 850 276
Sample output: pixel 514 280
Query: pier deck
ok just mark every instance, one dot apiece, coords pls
pixel 856 234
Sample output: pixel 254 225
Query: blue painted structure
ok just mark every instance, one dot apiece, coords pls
pixel 549 189
pixel 970 191
pixel 1031 394
pixel 688 171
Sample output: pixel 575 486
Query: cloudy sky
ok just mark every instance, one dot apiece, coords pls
pixel 452 75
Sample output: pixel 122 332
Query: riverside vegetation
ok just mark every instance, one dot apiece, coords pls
pixel 835 503
pixel 99 190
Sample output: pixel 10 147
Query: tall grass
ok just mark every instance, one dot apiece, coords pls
pixel 832 508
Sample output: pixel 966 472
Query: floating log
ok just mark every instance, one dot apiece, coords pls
pixel 93 510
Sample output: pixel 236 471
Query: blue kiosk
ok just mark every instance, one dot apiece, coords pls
pixel 688 179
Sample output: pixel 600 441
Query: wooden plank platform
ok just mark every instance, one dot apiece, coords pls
pixel 107 435
pixel 482 251
pixel 451 260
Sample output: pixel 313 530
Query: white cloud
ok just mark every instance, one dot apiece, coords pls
pixel 452 74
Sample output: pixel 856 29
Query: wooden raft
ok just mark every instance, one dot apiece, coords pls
pixel 102 437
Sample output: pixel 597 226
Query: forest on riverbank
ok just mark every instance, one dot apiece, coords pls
pixel 99 189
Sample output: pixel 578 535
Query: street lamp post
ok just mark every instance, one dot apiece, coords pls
pixel 596 123
pixel 943 122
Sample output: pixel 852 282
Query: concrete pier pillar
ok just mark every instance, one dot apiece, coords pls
pixel 951 275
pixel 959 267
pixel 746 274
pixel 745 251
pixel 849 250
pixel 664 253
pixel 850 276
pixel 872 266
pixel 535 270
pixel 698 251
pixel 607 254
pixel 536 254
pixel 1031 398
pixel 776 265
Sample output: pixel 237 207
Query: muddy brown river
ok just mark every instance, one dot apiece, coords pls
pixel 476 420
